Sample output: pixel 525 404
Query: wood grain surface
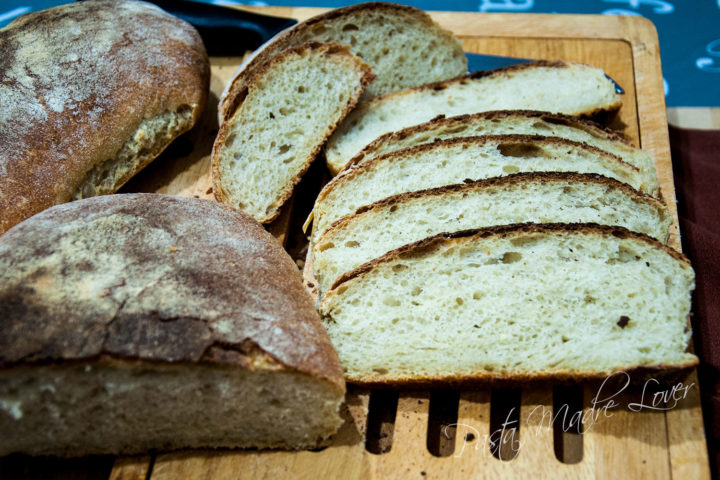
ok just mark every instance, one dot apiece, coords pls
pixel 619 443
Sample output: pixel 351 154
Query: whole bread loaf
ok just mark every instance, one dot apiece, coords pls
pixel 91 93
pixel 548 197
pixel 519 302
pixel 560 87
pixel 402 44
pixel 141 321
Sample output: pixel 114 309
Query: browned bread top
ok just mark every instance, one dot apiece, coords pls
pixel 155 278
pixel 76 82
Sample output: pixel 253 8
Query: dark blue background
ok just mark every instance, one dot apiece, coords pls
pixel 689 32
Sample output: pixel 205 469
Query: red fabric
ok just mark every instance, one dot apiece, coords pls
pixel 696 165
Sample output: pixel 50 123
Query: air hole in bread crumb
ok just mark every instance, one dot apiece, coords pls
pixel 324 246
pixel 459 301
pixel 511 169
pixel 284 149
pixel 511 257
pixel 399 267
pixel 349 27
pixel 391 301
pixel 540 126
pixel 521 150
pixel 623 322
pixel 352 244
pixel 230 140
pixel 477 295
pixel 380 371
pixel 416 291
pixel 301 89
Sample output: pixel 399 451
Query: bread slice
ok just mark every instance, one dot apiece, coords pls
pixel 501 122
pixel 520 198
pixel 451 161
pixel 140 321
pixel 517 302
pixel 291 106
pixel 563 87
pixel 402 44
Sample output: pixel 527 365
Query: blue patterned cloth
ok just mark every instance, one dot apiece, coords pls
pixel 689 32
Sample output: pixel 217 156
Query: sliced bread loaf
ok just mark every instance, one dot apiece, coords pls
pixel 564 87
pixel 288 110
pixel 500 122
pixel 520 198
pixel 516 302
pixel 452 161
pixel 402 44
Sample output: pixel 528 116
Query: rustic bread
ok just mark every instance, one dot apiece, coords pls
pixel 139 321
pixel 446 162
pixel 91 93
pixel 288 110
pixel 402 44
pixel 518 302
pixel 500 122
pixel 563 87
pixel 520 198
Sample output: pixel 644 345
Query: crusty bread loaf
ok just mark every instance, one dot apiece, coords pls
pixel 517 302
pixel 289 108
pixel 451 161
pixel 520 198
pixel 517 122
pixel 563 87
pixel 402 44
pixel 91 93
pixel 140 321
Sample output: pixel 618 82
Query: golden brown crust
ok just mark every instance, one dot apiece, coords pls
pixel 77 81
pixel 278 60
pixel 353 170
pixel 637 374
pixel 498 182
pixel 233 98
pixel 459 120
pixel 159 279
pixel 428 245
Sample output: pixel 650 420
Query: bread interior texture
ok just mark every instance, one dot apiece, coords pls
pixel 151 138
pixel 453 161
pixel 531 304
pixel 519 198
pixel 131 407
pixel 280 126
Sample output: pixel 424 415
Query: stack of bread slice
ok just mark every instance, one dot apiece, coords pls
pixel 289 96
pixel 503 245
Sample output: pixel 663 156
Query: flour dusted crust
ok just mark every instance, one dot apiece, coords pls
pixel 82 81
pixel 155 278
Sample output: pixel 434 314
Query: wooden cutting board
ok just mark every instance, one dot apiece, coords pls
pixel 617 442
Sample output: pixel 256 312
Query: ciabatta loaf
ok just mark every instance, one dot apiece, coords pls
pixel 517 302
pixel 520 198
pixel 452 161
pixel 402 44
pixel 563 87
pixel 288 110
pixel 502 122
pixel 137 322
pixel 91 93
